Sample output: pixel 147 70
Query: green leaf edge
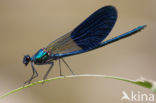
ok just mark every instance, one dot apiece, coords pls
pixel 140 82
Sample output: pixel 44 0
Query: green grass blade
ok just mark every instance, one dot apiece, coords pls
pixel 141 82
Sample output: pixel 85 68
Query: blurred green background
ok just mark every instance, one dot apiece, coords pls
pixel 28 25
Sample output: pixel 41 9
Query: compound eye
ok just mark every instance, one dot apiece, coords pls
pixel 26 59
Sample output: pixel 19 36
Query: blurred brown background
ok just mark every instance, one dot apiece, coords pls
pixel 28 25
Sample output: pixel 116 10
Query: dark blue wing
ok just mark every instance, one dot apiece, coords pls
pixel 119 37
pixel 95 28
pixel 88 34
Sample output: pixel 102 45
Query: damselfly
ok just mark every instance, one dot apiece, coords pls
pixel 87 36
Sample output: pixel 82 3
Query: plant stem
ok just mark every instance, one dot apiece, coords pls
pixel 142 82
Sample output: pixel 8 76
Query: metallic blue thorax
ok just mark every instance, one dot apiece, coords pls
pixel 40 57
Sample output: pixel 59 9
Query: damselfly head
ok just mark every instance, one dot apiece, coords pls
pixel 26 59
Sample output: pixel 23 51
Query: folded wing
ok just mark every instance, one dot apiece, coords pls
pixel 88 34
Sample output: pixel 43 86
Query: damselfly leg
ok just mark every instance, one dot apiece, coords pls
pixel 60 67
pixel 67 66
pixel 52 64
pixel 34 75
